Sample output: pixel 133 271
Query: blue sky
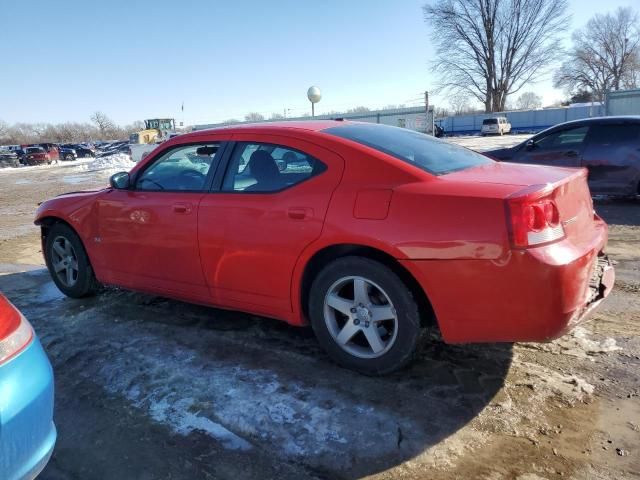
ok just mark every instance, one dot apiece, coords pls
pixel 63 60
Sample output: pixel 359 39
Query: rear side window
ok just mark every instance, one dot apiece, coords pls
pixel 562 138
pixel 614 134
pixel 265 167
pixel 428 153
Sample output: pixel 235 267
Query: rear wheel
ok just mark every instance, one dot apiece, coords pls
pixel 68 262
pixel 364 316
pixel 68 157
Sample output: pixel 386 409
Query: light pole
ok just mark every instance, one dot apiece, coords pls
pixel 314 96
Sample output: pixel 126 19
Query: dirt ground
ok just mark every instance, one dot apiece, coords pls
pixel 149 388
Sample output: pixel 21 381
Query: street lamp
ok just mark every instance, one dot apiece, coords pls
pixel 314 96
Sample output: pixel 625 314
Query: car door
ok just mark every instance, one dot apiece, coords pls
pixel 560 148
pixel 148 234
pixel 612 156
pixel 269 205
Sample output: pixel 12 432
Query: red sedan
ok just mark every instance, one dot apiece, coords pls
pixel 366 232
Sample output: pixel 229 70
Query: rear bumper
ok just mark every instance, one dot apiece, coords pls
pixel 530 295
pixel 27 431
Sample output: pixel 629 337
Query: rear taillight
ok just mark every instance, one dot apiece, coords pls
pixel 15 331
pixel 533 218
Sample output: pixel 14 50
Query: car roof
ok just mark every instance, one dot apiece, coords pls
pixel 602 120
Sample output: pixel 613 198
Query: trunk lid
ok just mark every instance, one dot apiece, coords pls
pixel 567 187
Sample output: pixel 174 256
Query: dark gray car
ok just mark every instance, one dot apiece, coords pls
pixel 609 147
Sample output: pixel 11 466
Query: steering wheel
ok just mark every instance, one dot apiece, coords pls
pixel 192 173
pixel 194 177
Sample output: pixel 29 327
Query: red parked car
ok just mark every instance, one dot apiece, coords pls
pixel 36 156
pixel 366 232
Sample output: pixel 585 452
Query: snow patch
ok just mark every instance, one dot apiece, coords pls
pixel 580 335
pixel 117 163
pixel 183 421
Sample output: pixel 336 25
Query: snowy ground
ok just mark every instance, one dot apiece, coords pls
pixel 483 144
pixel 153 388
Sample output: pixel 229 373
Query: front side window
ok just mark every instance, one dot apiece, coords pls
pixel 423 151
pixel 263 167
pixel 563 138
pixel 181 169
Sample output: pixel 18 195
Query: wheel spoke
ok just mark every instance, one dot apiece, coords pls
pixel 58 267
pixel 347 332
pixel 69 276
pixel 360 291
pixel 59 250
pixel 340 304
pixel 373 337
pixel 382 312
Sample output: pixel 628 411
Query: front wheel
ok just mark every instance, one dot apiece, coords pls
pixel 364 316
pixel 68 262
pixel 68 157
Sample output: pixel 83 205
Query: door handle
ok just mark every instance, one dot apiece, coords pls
pixel 181 207
pixel 300 213
pixel 571 153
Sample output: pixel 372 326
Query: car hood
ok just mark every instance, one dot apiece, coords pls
pixel 504 173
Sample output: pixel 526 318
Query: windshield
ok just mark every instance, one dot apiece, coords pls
pixel 428 153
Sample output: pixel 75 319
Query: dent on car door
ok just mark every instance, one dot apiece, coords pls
pixel 612 156
pixel 149 233
pixel 270 205
pixel 562 148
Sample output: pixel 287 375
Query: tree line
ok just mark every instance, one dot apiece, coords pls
pixel 99 127
pixel 490 50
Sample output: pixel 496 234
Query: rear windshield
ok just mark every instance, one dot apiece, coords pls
pixel 490 121
pixel 428 153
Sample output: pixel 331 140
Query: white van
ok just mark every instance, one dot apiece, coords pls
pixel 495 126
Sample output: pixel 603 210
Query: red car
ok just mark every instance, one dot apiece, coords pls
pixel 366 232
pixel 36 156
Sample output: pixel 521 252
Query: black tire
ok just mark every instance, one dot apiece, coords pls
pixel 405 346
pixel 68 157
pixel 85 283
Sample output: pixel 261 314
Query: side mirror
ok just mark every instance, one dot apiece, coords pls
pixel 120 180
pixel 530 145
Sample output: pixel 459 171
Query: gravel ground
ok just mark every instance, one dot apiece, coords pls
pixel 153 388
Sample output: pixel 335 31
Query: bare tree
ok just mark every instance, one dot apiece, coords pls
pixel 605 54
pixel 459 103
pixel 276 116
pixel 254 117
pixel 231 121
pixel 359 109
pixel 490 49
pixel 104 124
pixel 528 101
pixel 393 106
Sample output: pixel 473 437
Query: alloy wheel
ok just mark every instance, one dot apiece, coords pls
pixel 64 261
pixel 360 317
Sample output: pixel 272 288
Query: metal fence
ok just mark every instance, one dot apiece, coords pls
pixel 523 121
pixel 413 118
pixel 623 102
